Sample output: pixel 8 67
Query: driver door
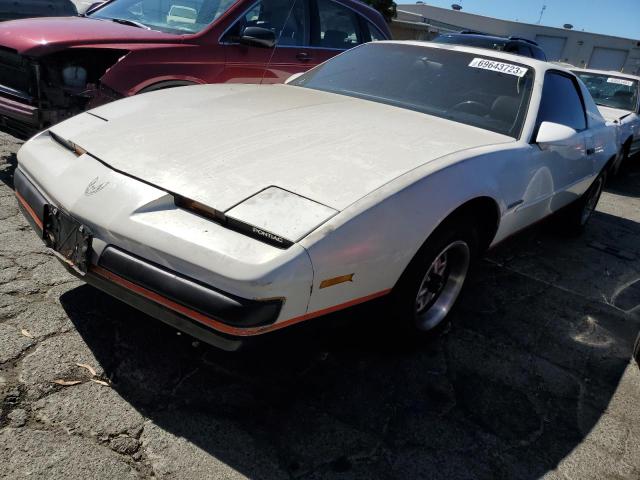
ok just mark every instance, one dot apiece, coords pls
pixel 570 166
pixel 292 53
pixel 556 175
pixel 289 20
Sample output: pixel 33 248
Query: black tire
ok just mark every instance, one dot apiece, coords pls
pixel 626 151
pixel 575 217
pixel 416 316
pixel 623 156
pixel 636 351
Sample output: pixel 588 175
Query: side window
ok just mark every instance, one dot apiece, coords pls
pixel 561 103
pixel 287 20
pixel 525 50
pixel 338 26
pixel 295 31
pixel 374 33
pixel 539 54
pixel 510 48
pixel 518 49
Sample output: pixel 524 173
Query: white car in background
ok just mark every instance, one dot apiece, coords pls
pixel 231 210
pixel 618 98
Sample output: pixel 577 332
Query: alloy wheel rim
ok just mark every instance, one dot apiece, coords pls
pixel 441 285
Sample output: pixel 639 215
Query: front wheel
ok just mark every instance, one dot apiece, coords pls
pixel 431 284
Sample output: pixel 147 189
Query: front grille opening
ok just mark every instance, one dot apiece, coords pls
pixel 16 73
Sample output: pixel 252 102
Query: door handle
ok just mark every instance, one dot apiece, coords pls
pixel 303 56
pixel 591 151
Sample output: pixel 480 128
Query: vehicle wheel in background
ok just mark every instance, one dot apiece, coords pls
pixel 431 284
pixel 622 158
pixel 574 218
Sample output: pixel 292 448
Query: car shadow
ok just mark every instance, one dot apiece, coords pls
pixel 7 168
pixel 510 387
pixel 513 384
pixel 627 181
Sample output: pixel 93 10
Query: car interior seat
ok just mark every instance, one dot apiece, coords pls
pixel 504 109
pixel 334 39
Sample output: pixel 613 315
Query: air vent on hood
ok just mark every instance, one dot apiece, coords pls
pixel 231 223
pixel 68 144
pixel 278 212
pixel 274 216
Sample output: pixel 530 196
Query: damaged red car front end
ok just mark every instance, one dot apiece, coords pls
pixel 51 69
pixel 54 68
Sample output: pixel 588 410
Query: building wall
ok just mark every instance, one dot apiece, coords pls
pixel 582 49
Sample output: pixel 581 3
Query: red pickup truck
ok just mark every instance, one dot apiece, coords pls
pixel 53 68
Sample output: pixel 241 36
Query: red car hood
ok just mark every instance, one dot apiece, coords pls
pixel 36 36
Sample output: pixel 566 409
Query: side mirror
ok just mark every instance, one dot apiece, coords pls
pixel 554 134
pixel 258 37
pixel 293 77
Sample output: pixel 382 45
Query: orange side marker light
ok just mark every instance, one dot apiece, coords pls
pixel 329 282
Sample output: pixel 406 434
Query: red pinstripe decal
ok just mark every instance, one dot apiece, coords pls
pixel 216 324
pixel 29 210
pixel 197 316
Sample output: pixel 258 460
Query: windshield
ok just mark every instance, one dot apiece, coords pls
pixel 467 88
pixel 170 16
pixel 611 91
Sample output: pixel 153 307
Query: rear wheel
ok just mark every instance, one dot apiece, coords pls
pixel 626 149
pixel 431 284
pixel 577 215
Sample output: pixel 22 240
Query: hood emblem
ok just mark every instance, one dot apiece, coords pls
pixel 94 187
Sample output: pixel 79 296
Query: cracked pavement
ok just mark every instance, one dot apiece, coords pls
pixel 532 378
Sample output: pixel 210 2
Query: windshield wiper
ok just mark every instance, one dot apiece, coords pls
pixel 131 23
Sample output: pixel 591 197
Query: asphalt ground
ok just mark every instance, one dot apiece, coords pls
pixel 532 378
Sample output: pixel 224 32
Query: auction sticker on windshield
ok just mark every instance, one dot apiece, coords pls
pixel 507 68
pixel 619 81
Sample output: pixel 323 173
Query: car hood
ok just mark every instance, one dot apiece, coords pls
pixel 221 144
pixel 36 36
pixel 610 114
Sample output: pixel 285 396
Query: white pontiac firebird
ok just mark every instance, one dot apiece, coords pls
pixel 232 210
pixel 618 98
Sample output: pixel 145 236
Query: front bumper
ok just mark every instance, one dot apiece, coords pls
pixel 19 111
pixel 207 313
pixel 156 310
pixel 19 116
